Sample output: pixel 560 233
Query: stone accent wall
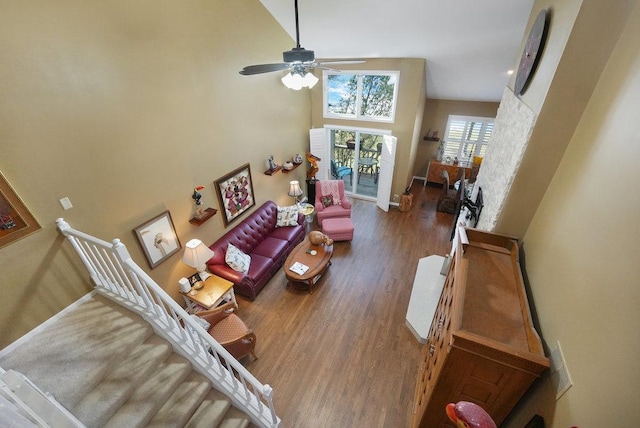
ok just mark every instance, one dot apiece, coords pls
pixel 512 131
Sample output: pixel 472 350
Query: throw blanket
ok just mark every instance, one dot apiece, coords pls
pixel 330 187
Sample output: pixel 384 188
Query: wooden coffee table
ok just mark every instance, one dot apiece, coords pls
pixel 316 263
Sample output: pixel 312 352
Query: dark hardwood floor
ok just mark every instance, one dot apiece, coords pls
pixel 343 356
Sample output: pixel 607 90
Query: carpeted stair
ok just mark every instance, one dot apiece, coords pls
pixel 105 364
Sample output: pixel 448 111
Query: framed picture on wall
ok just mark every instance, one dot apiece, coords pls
pixel 235 193
pixel 15 219
pixel 157 238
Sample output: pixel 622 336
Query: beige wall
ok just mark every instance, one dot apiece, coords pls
pixel 435 117
pixel 125 107
pixel 410 102
pixel 569 69
pixel 582 249
pixel 582 244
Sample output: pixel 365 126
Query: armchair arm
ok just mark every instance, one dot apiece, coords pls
pixel 214 316
pixel 227 273
pixel 242 346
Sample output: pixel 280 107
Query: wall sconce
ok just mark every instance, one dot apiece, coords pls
pixel 294 190
pixel 196 255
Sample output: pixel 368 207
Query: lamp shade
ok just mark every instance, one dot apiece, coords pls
pixel 196 254
pixel 294 189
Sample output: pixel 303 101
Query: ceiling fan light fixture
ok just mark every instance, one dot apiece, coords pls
pixel 292 81
pixel 296 81
pixel 310 80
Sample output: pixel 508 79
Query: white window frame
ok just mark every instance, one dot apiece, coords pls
pixel 450 142
pixel 357 115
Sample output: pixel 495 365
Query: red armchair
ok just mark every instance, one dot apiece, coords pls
pixel 340 206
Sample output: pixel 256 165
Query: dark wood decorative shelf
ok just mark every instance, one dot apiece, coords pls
pixel 208 213
pixel 273 171
pixel 431 139
pixel 287 171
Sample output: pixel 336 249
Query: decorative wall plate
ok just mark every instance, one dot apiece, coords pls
pixel 532 52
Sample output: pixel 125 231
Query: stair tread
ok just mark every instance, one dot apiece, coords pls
pixel 211 411
pixel 235 418
pixel 108 332
pixel 147 399
pixel 183 402
pixel 115 389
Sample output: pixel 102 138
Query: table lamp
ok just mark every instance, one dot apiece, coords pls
pixel 294 190
pixel 196 255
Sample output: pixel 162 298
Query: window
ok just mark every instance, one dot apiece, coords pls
pixel 354 96
pixel 466 137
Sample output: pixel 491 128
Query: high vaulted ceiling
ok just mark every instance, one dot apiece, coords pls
pixel 469 45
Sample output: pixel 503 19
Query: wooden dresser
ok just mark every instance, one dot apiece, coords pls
pixel 481 346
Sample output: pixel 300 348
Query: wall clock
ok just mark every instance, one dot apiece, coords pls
pixel 532 52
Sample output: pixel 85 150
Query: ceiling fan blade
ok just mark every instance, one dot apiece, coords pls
pixel 345 62
pixel 263 68
pixel 299 60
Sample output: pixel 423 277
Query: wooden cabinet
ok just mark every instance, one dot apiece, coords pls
pixel 481 346
pixel 434 171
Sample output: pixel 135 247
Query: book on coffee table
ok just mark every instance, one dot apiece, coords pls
pixel 299 268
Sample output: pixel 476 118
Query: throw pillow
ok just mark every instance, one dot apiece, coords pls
pixel 331 187
pixel 287 216
pixel 236 259
pixel 326 200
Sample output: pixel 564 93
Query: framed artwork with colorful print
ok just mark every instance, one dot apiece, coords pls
pixel 235 193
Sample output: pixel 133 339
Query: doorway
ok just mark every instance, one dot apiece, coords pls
pixel 355 158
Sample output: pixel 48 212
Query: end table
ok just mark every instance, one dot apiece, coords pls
pixel 307 210
pixel 214 291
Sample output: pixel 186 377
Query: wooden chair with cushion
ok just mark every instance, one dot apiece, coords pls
pixel 230 331
pixel 340 171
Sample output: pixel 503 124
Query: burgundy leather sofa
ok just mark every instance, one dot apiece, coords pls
pixel 267 245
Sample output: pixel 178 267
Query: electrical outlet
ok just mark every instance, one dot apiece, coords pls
pixel 66 203
pixel 559 372
pixel 396 197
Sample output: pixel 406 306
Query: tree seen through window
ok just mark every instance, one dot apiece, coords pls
pixel 360 96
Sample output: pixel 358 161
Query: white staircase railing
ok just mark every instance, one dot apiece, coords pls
pixel 23 404
pixel 115 275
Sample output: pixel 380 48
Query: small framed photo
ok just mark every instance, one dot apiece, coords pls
pixel 235 193
pixel 157 238
pixel 193 279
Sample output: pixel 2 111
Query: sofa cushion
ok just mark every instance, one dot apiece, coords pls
pixel 260 266
pixel 333 210
pixel 287 216
pixel 271 247
pixel 289 234
pixel 236 259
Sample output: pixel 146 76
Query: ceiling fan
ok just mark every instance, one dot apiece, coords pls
pixel 299 61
